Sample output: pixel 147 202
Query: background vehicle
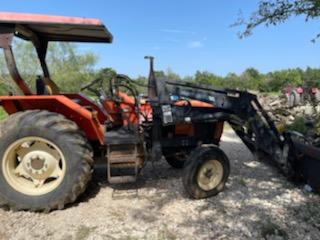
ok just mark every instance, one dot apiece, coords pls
pixel 301 95
pixel 51 140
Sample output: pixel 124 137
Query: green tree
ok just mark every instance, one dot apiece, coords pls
pixel 206 77
pixel 232 80
pixel 251 79
pixel 311 77
pixel 106 73
pixel 68 67
pixel 160 74
pixel 275 12
pixel 167 74
pixel 142 83
pixel 188 79
pixel 172 75
pixel 277 80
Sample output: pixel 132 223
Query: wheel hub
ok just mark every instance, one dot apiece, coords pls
pixel 39 164
pixel 210 175
pixel 33 166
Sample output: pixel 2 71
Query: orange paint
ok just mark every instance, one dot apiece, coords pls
pixel 84 118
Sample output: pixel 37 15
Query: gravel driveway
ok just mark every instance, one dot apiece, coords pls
pixel 257 204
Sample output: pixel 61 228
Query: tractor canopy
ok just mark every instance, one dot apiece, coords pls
pixel 41 29
pixel 55 28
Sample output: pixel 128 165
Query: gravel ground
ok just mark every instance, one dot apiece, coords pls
pixel 258 203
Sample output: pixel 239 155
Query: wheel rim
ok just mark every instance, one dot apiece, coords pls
pixel 210 175
pixel 33 166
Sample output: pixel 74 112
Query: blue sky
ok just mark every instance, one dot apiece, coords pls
pixel 185 35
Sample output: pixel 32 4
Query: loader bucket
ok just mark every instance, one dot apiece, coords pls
pixel 307 164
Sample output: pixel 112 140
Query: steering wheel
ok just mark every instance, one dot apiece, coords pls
pixel 90 84
pixel 97 91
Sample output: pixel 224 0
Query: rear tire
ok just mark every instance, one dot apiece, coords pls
pixel 45 159
pixel 206 172
pixel 294 99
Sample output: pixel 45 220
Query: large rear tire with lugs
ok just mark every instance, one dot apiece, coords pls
pixel 206 172
pixel 45 161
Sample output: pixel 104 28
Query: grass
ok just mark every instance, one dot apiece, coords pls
pixel 3 114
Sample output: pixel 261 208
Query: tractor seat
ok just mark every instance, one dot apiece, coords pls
pixel 120 136
pixel 47 87
pixel 41 86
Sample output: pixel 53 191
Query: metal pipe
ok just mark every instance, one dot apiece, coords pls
pixel 12 67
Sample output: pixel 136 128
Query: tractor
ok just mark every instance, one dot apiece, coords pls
pixel 51 140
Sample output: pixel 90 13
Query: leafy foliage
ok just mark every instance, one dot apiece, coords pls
pixel 254 80
pixel 3 114
pixel 71 68
pixel 68 67
pixel 275 12
pixel 298 125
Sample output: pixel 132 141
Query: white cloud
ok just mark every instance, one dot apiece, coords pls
pixel 195 44
pixel 168 30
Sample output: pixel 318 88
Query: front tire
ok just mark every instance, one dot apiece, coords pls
pixel 206 172
pixel 176 159
pixel 45 161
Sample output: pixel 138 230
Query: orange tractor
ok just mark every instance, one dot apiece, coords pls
pixel 51 140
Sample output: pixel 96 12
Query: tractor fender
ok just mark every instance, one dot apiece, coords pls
pixel 85 117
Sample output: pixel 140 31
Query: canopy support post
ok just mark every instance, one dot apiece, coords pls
pixel 6 44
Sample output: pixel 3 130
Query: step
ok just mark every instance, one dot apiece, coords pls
pixel 120 137
pixel 125 159
pixel 122 179
pixel 123 166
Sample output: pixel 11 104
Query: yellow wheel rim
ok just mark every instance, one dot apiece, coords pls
pixel 210 175
pixel 33 166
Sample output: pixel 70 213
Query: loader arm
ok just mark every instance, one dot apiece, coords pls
pixel 246 116
pixel 240 109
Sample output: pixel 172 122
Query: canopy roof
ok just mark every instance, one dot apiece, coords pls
pixel 55 28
